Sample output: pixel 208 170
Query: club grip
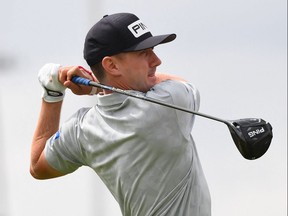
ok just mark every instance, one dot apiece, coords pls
pixel 81 80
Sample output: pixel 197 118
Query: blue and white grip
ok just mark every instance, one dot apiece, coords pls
pixel 81 80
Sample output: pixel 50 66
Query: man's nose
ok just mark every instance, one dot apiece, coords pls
pixel 155 61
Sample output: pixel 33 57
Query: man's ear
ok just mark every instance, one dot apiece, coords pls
pixel 110 65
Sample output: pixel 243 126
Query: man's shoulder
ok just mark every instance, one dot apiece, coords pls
pixel 173 86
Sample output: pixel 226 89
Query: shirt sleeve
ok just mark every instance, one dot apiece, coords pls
pixel 194 94
pixel 62 150
pixel 179 93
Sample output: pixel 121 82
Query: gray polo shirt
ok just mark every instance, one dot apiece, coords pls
pixel 143 152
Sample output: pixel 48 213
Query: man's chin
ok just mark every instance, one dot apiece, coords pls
pixel 152 79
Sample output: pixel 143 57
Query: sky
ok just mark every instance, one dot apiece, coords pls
pixel 234 51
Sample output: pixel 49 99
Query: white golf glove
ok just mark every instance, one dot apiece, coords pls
pixel 53 90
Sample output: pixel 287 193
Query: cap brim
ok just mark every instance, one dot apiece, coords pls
pixel 152 42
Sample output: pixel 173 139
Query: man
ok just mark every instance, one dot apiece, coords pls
pixel 143 152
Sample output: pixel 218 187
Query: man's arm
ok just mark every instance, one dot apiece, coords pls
pixel 54 80
pixel 162 77
pixel 48 124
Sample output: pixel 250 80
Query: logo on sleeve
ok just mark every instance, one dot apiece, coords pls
pixel 56 136
pixel 137 28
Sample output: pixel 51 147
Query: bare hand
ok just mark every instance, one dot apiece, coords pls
pixel 66 74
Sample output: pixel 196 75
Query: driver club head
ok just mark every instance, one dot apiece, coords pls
pixel 252 136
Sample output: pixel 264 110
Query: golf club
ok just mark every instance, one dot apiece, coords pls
pixel 252 136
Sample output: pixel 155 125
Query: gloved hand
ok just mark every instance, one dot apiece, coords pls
pixel 53 90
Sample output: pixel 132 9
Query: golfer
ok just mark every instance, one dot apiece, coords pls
pixel 143 152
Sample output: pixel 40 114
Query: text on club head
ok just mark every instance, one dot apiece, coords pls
pixel 256 132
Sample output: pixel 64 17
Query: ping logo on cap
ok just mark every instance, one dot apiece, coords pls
pixel 137 28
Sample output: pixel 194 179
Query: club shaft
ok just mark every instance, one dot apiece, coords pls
pixel 83 81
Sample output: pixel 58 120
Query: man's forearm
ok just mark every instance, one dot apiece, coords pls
pixel 48 124
pixel 162 76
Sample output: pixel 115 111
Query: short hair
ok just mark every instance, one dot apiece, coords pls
pixel 98 71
